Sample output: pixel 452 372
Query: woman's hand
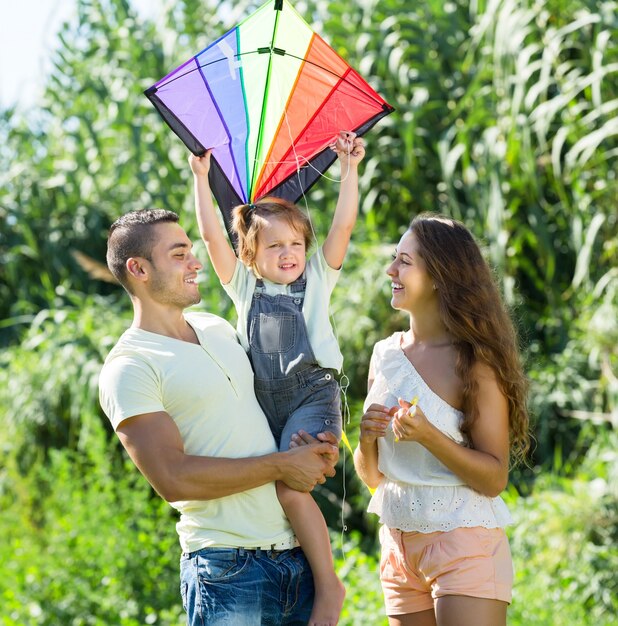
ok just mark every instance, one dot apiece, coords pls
pixel 374 423
pixel 410 423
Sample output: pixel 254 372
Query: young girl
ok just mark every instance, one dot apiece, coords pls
pixel 282 300
pixel 446 409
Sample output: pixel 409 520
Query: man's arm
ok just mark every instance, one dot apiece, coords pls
pixel 153 442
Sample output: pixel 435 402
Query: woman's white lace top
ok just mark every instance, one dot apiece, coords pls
pixel 418 492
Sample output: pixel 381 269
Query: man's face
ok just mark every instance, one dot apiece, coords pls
pixel 173 268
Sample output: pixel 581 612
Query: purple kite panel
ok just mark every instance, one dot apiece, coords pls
pixel 221 71
pixel 192 104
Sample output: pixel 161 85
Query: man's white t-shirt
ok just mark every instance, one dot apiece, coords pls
pixel 207 389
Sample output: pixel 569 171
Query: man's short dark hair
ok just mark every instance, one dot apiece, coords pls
pixel 132 235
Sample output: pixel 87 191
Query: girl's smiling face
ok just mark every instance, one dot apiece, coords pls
pixel 280 256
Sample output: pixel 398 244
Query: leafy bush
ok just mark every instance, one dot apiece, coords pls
pixel 48 384
pixel 564 542
pixel 505 118
pixel 359 571
pixel 86 543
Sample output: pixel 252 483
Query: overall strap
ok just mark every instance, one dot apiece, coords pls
pixel 298 286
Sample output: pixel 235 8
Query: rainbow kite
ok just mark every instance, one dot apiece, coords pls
pixel 268 97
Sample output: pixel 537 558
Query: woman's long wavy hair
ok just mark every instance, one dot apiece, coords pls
pixel 249 219
pixel 474 313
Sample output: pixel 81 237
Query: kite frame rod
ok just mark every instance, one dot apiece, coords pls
pixel 277 51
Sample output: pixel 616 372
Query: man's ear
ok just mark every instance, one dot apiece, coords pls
pixel 136 267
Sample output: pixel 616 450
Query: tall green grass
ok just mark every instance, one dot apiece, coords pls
pixel 506 118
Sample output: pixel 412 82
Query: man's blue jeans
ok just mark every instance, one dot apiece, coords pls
pixel 240 587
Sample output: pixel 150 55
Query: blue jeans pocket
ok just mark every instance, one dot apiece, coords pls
pixel 220 565
pixel 236 587
pixel 323 378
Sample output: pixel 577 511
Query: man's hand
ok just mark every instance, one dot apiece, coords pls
pixel 303 438
pixel 306 466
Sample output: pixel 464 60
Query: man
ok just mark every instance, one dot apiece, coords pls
pixel 178 390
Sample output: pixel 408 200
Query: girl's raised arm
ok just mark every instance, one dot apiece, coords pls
pixel 350 150
pixel 219 249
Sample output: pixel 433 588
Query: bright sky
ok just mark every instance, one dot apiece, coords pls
pixel 28 33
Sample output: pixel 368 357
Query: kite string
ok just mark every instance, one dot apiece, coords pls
pixel 344 381
pixel 307 164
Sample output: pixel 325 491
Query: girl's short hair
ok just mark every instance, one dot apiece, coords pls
pixel 249 219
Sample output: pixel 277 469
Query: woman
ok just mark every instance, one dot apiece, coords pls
pixel 445 413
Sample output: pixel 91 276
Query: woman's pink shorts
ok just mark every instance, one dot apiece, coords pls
pixel 417 568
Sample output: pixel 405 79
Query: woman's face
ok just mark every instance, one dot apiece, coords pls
pixel 412 287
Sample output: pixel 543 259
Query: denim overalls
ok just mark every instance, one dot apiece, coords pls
pixel 292 389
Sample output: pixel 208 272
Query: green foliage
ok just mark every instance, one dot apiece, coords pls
pixel 359 569
pixel 564 543
pixel 48 383
pixel 361 311
pixel 86 543
pixel 95 148
pixel 577 387
pixel 506 119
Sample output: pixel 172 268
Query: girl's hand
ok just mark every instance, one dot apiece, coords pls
pixel 410 423
pixel 349 148
pixel 374 422
pixel 200 166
